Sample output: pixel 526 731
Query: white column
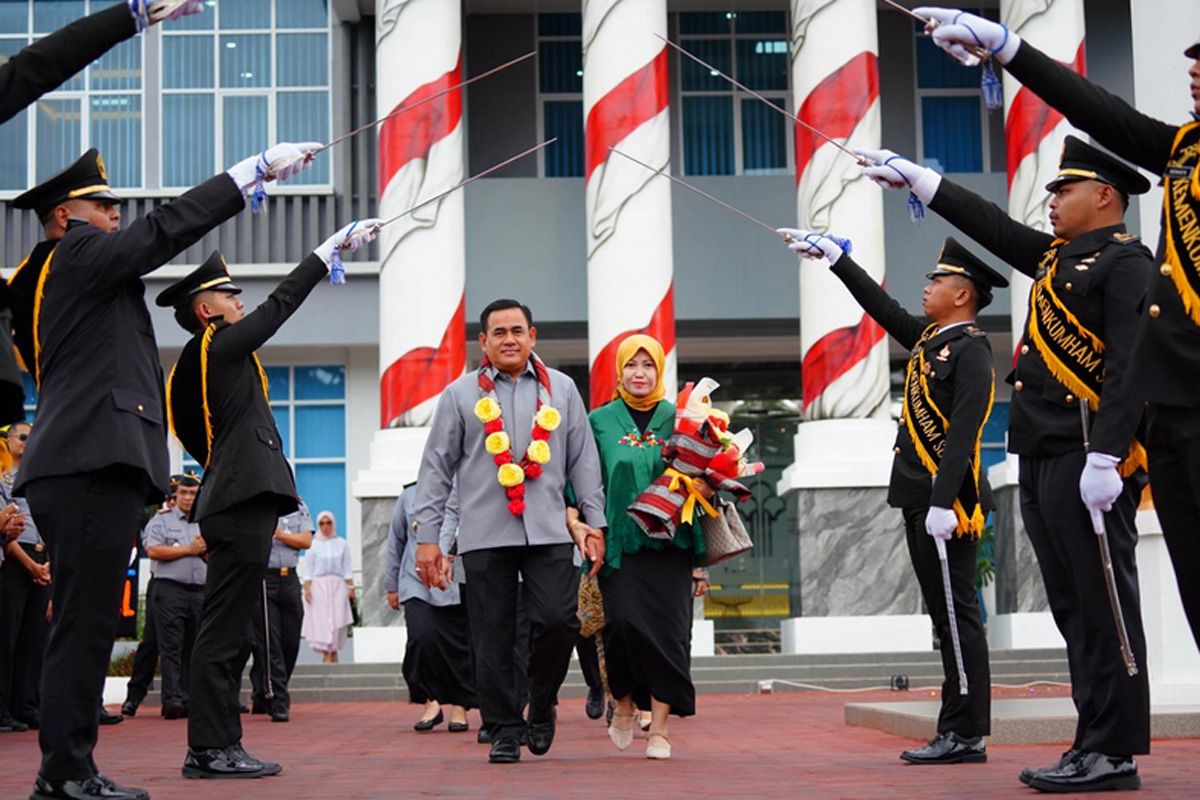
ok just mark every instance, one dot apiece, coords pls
pixel 630 258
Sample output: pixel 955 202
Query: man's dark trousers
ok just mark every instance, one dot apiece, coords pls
pixel 145 661
pixel 177 607
pixel 23 632
pixel 87 521
pixel 285 613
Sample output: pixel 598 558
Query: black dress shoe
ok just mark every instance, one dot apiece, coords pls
pixel 174 711
pixel 484 736
pixel 1089 772
pixel 595 702
pixel 257 707
pixel 540 735
pixel 280 715
pixel 225 762
pixel 429 724
pixel 458 727
pixel 948 748
pixel 10 725
pixel 268 767
pixel 32 723
pixel 506 750
pixel 1066 758
pixel 129 709
pixel 95 786
pixel 110 719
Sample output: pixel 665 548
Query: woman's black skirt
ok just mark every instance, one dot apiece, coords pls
pixel 647 631
pixel 437 658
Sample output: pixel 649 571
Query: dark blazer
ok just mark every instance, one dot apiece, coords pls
pixel 1101 279
pixel 44 65
pixel 101 399
pixel 1167 347
pixel 247 456
pixel 961 384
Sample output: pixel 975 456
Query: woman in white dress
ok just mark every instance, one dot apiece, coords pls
pixel 328 590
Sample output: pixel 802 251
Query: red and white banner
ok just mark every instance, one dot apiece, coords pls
pixel 630 258
pixel 1033 131
pixel 835 83
pixel 422 322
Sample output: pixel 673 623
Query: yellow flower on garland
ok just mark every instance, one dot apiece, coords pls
pixel 510 475
pixel 538 451
pixel 548 417
pixel 496 443
pixel 487 409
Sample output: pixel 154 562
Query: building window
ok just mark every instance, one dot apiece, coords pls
pixel 724 130
pixel 243 73
pixel 992 445
pixel 560 93
pixel 100 107
pixel 952 125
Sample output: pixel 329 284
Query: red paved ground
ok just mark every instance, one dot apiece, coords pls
pixel 781 745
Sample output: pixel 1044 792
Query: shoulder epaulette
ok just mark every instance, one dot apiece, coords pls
pixel 1125 238
pixel 974 331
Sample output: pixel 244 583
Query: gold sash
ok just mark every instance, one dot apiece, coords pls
pixel 928 427
pixel 1072 353
pixel 1181 225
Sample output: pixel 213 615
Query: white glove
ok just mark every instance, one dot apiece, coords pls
pixel 1100 483
pixel 892 171
pixel 940 523
pixel 350 238
pixel 287 159
pixel 810 244
pixel 149 12
pixel 955 31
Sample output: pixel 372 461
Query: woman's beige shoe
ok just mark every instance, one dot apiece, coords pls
pixel 621 738
pixel 658 747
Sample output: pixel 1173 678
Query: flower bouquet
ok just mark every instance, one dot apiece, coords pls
pixel 701 452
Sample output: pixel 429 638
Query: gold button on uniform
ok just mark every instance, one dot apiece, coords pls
pixel 896 450
pixel 1024 349
pixel 1018 386
pixel 1070 398
pixel 1155 310
pixel 1165 269
pixel 140 408
pixel 1069 284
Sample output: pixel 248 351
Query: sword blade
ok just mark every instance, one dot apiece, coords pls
pixel 471 179
pixel 661 171
pixel 953 616
pixel 758 96
pixel 979 52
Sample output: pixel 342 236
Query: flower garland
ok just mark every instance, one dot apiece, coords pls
pixel 510 473
pixel 647 439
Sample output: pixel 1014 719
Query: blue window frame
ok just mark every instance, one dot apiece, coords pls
pixel 952 130
pixel 560 93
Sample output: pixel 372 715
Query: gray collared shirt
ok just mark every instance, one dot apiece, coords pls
pixel 299 521
pixel 172 529
pixel 400 569
pixel 455 448
pixel 30 534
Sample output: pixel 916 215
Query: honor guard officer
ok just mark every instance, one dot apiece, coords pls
pixel 98 454
pixel 937 480
pixel 279 644
pixel 145 660
pixel 219 408
pixel 1167 353
pixel 1089 281
pixel 176 550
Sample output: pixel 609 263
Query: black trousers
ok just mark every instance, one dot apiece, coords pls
pixel 437 655
pixel 23 631
pixel 1173 445
pixel 87 521
pixel 177 617
pixel 589 662
pixel 239 544
pixel 970 714
pixel 145 660
pixel 1113 708
pixel 284 615
pixel 550 591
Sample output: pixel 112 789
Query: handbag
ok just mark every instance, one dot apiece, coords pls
pixel 724 535
pixel 591 607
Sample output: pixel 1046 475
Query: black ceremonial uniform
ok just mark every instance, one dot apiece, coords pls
pixel 1099 277
pixel 98 453
pixel 247 482
pixel 1167 351
pixel 961 382
pixel 43 65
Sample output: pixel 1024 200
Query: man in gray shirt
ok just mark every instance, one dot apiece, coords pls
pixel 279 643
pixel 515 433
pixel 176 549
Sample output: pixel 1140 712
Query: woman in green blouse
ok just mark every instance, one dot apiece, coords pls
pixel 646 583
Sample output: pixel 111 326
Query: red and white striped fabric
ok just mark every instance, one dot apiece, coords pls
pixel 1033 131
pixel 422 321
pixel 835 82
pixel 630 258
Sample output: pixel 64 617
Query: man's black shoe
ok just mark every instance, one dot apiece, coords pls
pixel 948 748
pixel 174 711
pixel 110 719
pixel 226 762
pixel 129 709
pixel 484 736
pixel 506 750
pixel 595 702
pixel 540 735
pixel 258 707
pixel 280 715
pixel 268 767
pixel 243 708
pixel 1066 758
pixel 10 725
pixel 96 786
pixel 32 723
pixel 1089 772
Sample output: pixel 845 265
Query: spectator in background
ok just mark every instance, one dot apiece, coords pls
pixel 328 590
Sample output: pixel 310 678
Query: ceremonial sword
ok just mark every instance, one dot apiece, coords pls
pixel 981 53
pixel 270 692
pixel 1110 578
pixel 954 640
